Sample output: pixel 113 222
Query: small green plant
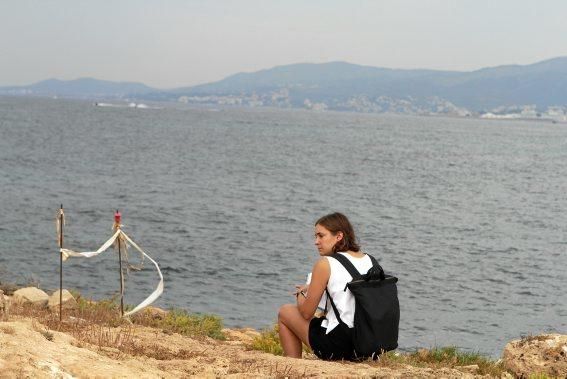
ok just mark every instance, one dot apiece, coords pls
pixel 449 356
pixel 86 305
pixel 268 341
pixel 452 356
pixel 192 325
pixel 391 359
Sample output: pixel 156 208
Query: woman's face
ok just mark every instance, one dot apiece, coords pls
pixel 325 240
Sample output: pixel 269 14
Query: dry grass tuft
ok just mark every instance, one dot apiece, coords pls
pixel 285 371
pixel 163 354
pixel 539 376
pixel 99 325
pixel 6 329
pixel 440 357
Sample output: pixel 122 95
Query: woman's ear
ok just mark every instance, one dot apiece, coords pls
pixel 340 236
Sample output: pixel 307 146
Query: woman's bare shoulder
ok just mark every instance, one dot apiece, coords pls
pixel 321 264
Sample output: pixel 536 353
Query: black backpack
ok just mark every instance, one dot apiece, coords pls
pixel 377 310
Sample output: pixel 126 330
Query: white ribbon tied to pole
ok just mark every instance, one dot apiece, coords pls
pixel 66 253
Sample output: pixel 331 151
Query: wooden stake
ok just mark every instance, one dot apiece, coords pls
pixel 61 264
pixel 117 220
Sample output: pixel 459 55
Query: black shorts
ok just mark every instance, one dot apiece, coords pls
pixel 333 346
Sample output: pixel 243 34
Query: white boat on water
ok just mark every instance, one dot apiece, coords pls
pixel 138 105
pixel 129 105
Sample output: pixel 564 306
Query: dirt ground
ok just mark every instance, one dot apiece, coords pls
pixel 28 349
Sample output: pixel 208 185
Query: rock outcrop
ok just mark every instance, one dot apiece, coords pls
pixel 31 295
pixel 543 354
pixel 68 300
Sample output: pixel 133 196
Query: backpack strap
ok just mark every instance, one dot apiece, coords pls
pixel 374 261
pixel 348 265
pixel 352 270
pixel 334 307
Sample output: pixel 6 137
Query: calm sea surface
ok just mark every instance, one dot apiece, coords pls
pixel 471 215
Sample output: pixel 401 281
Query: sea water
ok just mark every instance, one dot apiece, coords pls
pixel 469 214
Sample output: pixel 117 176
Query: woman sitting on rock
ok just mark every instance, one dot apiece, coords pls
pixel 327 337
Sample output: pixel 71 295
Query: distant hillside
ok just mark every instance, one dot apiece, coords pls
pixel 524 91
pixel 80 88
pixel 541 84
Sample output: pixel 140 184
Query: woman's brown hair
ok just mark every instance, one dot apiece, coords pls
pixel 338 222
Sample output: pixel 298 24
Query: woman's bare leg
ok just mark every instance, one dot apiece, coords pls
pixel 293 329
pixel 290 343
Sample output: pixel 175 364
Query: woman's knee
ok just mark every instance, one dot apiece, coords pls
pixel 286 311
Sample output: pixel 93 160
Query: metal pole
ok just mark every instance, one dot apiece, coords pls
pixel 61 265
pixel 121 274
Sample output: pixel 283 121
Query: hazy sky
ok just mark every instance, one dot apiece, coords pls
pixel 174 43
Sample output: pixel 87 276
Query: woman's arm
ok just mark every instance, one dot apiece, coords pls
pixel 319 279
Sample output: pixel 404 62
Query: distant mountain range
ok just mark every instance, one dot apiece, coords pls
pixel 84 88
pixel 345 86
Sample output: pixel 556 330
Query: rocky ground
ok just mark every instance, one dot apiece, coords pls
pixel 28 348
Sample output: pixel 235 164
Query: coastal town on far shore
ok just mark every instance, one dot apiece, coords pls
pixel 382 104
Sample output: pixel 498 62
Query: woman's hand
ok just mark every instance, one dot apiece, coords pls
pixel 301 290
pixel 308 305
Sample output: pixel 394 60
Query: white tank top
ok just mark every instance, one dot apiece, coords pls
pixel 344 300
